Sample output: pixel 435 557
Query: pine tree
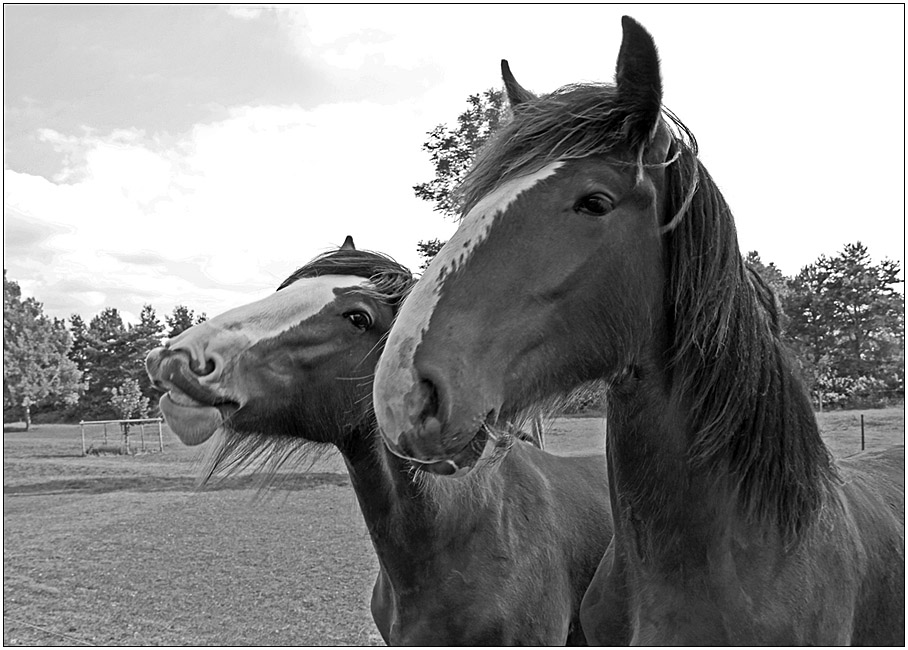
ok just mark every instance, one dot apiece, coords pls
pixel 108 361
pixel 140 340
pixel 181 320
pixel 847 318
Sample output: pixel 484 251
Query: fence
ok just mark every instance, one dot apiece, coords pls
pixel 122 432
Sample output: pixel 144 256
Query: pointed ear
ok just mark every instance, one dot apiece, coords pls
pixel 517 94
pixel 638 80
pixel 348 244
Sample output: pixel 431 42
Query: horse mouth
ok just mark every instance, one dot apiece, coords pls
pixel 191 420
pixel 482 448
pixel 193 411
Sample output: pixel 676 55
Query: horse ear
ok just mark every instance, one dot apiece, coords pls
pixel 348 244
pixel 638 80
pixel 517 94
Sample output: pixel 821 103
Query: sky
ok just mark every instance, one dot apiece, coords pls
pixel 199 154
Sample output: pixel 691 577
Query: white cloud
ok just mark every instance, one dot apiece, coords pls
pixel 802 128
pixel 233 207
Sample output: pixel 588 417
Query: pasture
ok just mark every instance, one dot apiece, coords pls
pixel 126 550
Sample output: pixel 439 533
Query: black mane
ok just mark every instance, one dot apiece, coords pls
pixel 390 281
pixel 749 411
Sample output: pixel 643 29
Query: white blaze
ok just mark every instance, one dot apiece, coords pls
pixel 241 328
pixel 395 375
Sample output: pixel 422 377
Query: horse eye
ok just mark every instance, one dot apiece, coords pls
pixel 360 319
pixel 596 205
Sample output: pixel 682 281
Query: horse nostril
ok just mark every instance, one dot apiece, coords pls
pixel 207 370
pixel 429 394
pixel 199 363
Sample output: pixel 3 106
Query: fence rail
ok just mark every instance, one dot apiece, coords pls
pixel 124 426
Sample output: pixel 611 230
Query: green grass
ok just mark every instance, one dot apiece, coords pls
pixel 124 550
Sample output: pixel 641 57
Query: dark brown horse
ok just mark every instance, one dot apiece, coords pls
pixel 595 245
pixel 502 556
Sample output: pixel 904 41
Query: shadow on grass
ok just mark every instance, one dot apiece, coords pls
pixel 105 485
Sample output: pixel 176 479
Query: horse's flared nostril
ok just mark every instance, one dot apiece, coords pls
pixel 203 371
pixel 200 361
pixel 430 402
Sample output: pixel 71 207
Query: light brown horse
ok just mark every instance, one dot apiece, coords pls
pixel 595 246
pixel 501 557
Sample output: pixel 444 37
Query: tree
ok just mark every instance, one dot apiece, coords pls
pixel 847 319
pixel 109 352
pixel 36 367
pixel 128 402
pixel 79 333
pixel 428 249
pixel 140 340
pixel 770 274
pixel 181 320
pixel 106 349
pixel 452 151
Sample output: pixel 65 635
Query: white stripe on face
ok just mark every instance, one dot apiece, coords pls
pixel 395 371
pixel 245 326
pixel 473 230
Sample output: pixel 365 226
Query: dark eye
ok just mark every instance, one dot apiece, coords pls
pixel 361 320
pixel 595 205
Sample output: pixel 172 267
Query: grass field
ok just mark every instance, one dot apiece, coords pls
pixel 124 550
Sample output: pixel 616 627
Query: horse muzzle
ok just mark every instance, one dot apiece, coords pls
pixel 193 411
pixel 418 423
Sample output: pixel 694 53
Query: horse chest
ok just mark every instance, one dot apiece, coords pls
pixel 743 596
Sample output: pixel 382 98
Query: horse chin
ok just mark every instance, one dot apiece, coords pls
pixel 193 422
pixel 484 447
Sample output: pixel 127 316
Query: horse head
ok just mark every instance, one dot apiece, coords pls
pixel 563 216
pixel 297 364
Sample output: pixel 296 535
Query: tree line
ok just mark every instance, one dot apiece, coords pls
pixel 843 315
pixel 78 371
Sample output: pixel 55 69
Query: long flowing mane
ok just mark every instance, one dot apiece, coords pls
pixel 750 416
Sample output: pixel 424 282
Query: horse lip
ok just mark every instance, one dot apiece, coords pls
pixel 193 423
pixel 462 462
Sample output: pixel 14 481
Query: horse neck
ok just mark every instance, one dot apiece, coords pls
pixel 410 522
pixel 714 429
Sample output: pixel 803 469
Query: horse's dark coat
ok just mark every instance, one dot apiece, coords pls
pixel 733 525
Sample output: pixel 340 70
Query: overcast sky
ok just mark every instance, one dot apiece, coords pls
pixel 199 154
